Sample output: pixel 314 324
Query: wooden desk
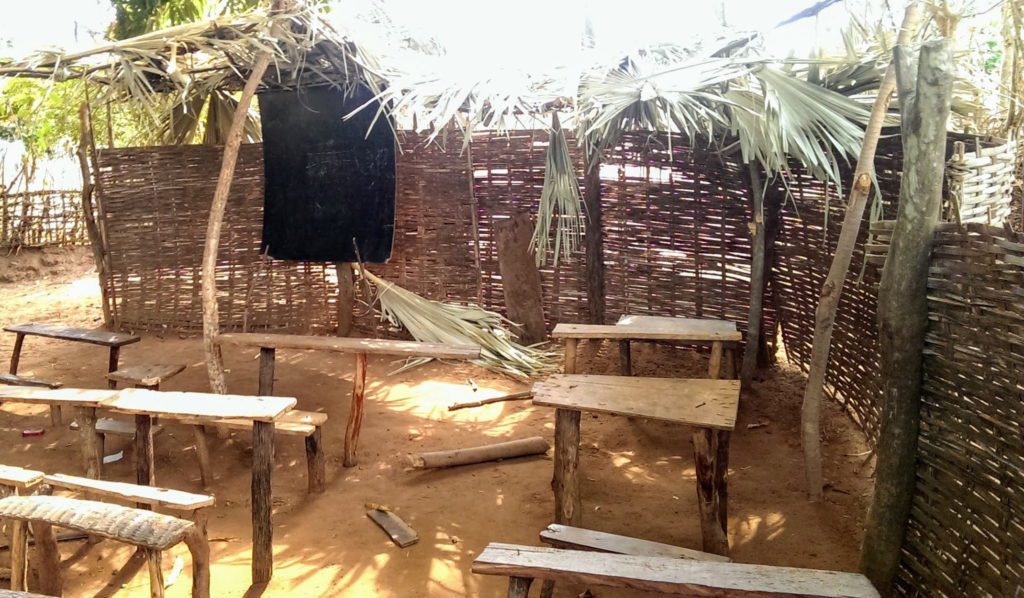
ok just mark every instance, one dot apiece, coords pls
pixel 360 347
pixel 720 334
pixel 708 405
pixel 104 338
pixel 147 404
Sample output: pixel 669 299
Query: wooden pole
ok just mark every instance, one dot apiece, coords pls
pixel 262 501
pixel 594 243
pixel 355 414
pixel 566 481
pixel 832 290
pixel 47 557
pixel 88 214
pixel 925 96
pixel 346 298
pixel 756 278
pixel 520 277
pixel 535 445
pixel 211 317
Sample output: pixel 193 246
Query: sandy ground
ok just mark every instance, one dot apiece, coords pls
pixel 637 477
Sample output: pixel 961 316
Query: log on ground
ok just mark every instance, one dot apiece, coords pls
pixel 480 454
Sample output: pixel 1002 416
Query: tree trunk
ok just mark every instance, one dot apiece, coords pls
pixel 832 290
pixel 211 317
pixel 756 279
pixel 594 241
pixel 925 95
pixel 520 278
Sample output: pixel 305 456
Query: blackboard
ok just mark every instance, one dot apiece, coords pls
pixel 327 181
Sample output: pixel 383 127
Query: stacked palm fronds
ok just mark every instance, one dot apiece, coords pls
pixel 448 323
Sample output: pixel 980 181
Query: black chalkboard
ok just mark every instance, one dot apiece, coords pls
pixel 326 181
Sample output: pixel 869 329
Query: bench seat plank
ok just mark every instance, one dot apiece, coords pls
pixel 198 405
pixel 669 575
pixel 699 402
pixel 146 374
pixel 16 380
pixel 134 526
pixel 17 477
pixel 71 333
pixel 671 329
pixel 82 397
pixel 151 495
pixel 294 422
pixel 576 538
pixel 369 346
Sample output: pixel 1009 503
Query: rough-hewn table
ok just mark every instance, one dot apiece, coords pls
pixel 147 404
pixel 104 338
pixel 268 345
pixel 708 405
pixel 720 334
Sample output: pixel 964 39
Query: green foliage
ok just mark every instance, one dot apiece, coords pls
pixel 43 116
pixel 135 17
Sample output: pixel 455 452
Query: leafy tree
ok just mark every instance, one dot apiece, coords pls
pixel 135 17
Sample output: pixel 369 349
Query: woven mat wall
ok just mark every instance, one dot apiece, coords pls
pixel 41 218
pixel 966 532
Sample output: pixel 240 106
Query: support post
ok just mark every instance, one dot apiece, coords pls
pixel 203 456
pixel 832 289
pixel 346 298
pixel 520 278
pixel 47 559
pixel 355 414
pixel 154 558
pixel 91 441
pixel 88 212
pixel 625 358
pixel 925 96
pixel 316 462
pixel 566 483
pixel 19 555
pixel 519 587
pixel 266 382
pixel 570 355
pixel 145 468
pixel 262 502
pixel 715 360
pixel 594 239
pixel 19 340
pixel 756 278
pixel 112 362
pixel 199 546
pixel 711 460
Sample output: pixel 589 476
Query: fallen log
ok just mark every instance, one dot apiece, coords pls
pixel 479 454
pixel 516 396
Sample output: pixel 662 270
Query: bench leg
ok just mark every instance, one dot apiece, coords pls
pixel 19 556
pixel 715 361
pixel 91 442
pixel 625 364
pixel 711 460
pixel 266 383
pixel 570 355
pixel 112 362
pixel 547 589
pixel 262 528
pixel 203 456
pixel 156 572
pixel 19 340
pixel 730 364
pixel 519 587
pixel 199 546
pixel 145 466
pixel 566 482
pixel 316 462
pixel 355 414
pixel 47 559
pixel 55 416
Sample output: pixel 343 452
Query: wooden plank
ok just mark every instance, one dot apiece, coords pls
pixel 678 329
pixel 81 397
pixel 292 423
pixel 400 532
pixel 146 374
pixel 151 495
pixel 16 477
pixel 16 380
pixel 576 538
pixel 669 575
pixel 368 346
pixel 200 406
pixel 698 402
pixel 71 333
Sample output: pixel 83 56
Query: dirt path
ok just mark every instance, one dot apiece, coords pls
pixel 637 477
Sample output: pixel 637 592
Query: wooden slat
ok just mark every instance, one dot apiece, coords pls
pixel 294 422
pixel 369 346
pixel 576 538
pixel 668 575
pixel 198 405
pixel 16 477
pixel 82 397
pixel 71 333
pixel 683 330
pixel 146 374
pixel 700 402
pixel 15 380
pixel 151 495
pixel 393 525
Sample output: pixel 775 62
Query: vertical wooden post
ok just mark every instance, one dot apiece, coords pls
pixel 156 574
pixel 520 278
pixel 625 359
pixel 570 355
pixel 715 360
pixel 355 414
pixel 19 340
pixel 91 441
pixel 519 587
pixel 565 483
pixel 925 95
pixel 199 546
pixel 203 456
pixel 316 462
pixel 710 455
pixel 145 469
pixel 262 498
pixel 594 242
pixel 756 278
pixel 266 383
pixel 47 559
pixel 88 213
pixel 346 298
pixel 112 362
pixel 19 556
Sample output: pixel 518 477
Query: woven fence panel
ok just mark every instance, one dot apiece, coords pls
pixel 980 181
pixel 965 536
pixel 42 218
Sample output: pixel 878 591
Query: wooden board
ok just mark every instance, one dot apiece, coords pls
pixel 71 333
pixel 146 374
pixel 294 422
pixel 117 427
pixel 667 329
pixel 16 380
pixel 399 531
pixel 699 402
pixel 151 495
pixel 198 405
pixel 16 477
pixel 669 575
pixel 369 346
pixel 576 538
pixel 82 397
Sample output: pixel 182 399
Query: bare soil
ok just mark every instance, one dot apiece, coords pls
pixel 637 477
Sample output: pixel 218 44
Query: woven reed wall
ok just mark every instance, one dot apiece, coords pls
pixel 980 181
pixel 965 536
pixel 675 234
pixel 41 218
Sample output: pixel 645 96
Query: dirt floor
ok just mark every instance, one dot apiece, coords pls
pixel 637 477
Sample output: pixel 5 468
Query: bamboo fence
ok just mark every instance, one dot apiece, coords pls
pixel 49 217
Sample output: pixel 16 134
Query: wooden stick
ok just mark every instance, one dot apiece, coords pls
pixel 711 493
pixel 566 483
pixel 757 267
pixel 534 445
pixel 355 414
pixel 156 574
pixel 262 527
pixel 516 396
pixel 832 290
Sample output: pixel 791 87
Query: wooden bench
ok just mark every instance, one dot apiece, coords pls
pixel 146 375
pixel 15 380
pixel 577 538
pixel 665 575
pixel 17 480
pixel 268 345
pixel 112 340
pixel 307 424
